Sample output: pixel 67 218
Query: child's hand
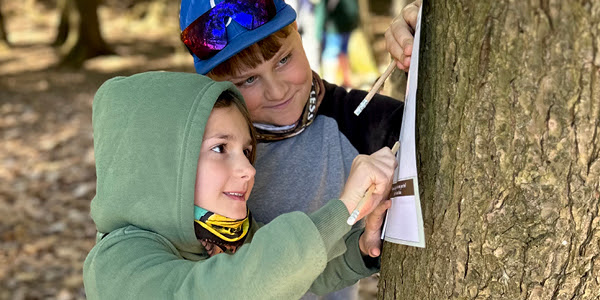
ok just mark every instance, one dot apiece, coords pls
pixel 399 36
pixel 375 169
pixel 370 240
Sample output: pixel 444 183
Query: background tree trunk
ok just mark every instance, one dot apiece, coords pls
pixel 3 32
pixel 508 141
pixel 89 42
pixel 65 8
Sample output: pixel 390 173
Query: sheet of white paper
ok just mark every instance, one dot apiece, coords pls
pixel 404 222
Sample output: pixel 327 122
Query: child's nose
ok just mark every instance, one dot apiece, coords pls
pixel 244 168
pixel 276 89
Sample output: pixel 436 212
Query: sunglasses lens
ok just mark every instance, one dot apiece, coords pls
pixel 207 35
pixel 252 14
pixel 204 41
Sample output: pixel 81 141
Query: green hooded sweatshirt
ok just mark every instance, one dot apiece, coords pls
pixel 148 130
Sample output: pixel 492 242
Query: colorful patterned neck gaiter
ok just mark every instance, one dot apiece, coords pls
pixel 220 234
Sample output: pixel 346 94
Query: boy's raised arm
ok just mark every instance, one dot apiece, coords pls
pixel 399 36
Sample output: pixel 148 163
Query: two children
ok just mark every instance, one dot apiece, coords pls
pixel 173 160
pixel 307 132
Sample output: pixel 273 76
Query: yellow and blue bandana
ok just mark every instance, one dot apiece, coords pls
pixel 219 230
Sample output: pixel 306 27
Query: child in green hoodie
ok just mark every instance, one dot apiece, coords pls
pixel 174 155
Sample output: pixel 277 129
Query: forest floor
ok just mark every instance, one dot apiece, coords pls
pixel 47 175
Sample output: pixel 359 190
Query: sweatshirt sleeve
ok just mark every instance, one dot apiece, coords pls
pixel 346 269
pixel 376 127
pixel 282 261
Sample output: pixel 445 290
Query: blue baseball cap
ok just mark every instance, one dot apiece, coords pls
pixel 238 37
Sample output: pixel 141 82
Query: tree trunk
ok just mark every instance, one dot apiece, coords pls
pixel 3 32
pixel 508 126
pixel 89 42
pixel 65 20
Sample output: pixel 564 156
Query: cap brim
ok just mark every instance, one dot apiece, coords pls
pixel 284 17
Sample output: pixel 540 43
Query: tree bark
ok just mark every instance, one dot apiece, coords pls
pixel 508 126
pixel 89 42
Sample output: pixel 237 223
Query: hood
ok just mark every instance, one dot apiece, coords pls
pixel 148 131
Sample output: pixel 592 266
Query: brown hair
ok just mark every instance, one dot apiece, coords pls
pixel 254 54
pixel 228 99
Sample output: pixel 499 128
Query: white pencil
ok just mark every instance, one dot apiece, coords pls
pixel 375 87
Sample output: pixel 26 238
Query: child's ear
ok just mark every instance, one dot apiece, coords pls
pixel 296 25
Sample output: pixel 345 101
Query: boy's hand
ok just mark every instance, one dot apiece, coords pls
pixel 399 36
pixel 370 240
pixel 375 169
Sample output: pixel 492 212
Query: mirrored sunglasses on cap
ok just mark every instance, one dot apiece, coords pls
pixel 207 35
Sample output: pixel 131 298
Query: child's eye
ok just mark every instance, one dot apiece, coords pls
pixel 284 60
pixel 248 153
pixel 218 148
pixel 248 81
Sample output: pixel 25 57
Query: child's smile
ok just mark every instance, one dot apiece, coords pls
pixel 240 196
pixel 281 105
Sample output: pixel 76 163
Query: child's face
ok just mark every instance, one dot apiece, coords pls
pixel 276 90
pixel 225 176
